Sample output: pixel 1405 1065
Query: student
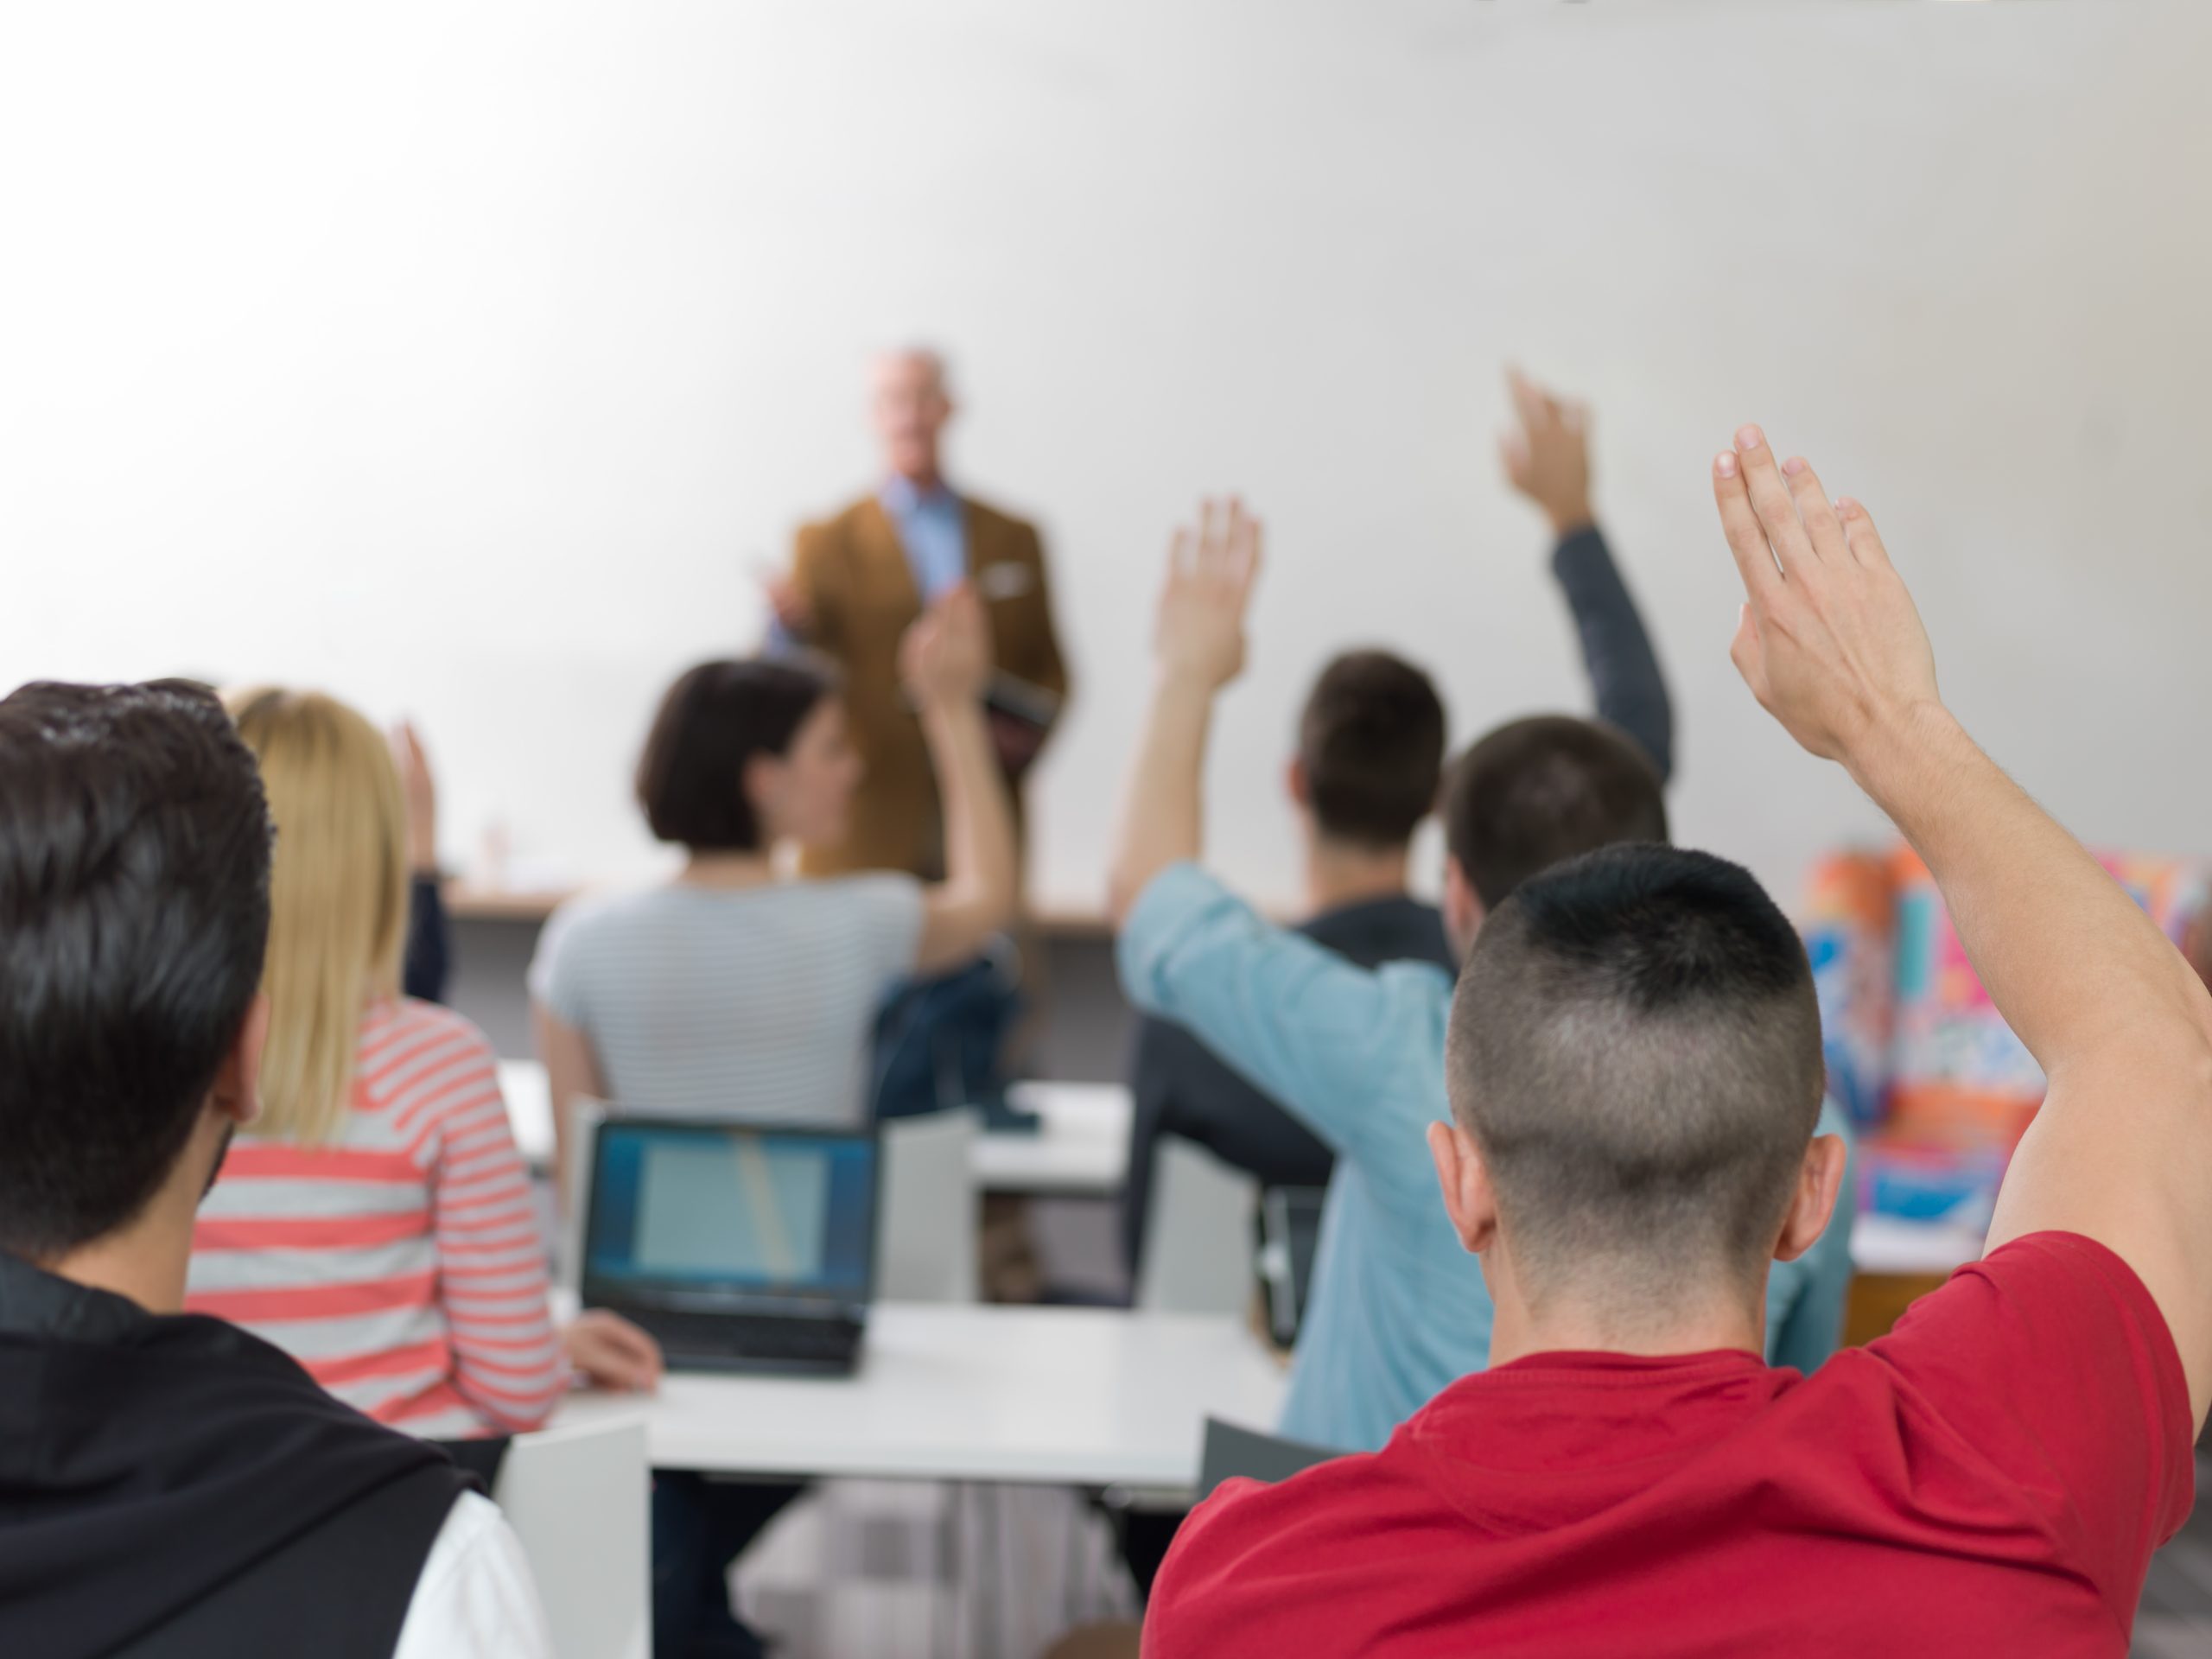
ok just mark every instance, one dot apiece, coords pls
pixel 377 1222
pixel 1356 1054
pixel 730 989
pixel 1370 761
pixel 170 1484
pixel 1635 1071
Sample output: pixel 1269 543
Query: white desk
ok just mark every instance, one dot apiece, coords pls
pixel 1082 1147
pixel 1068 1396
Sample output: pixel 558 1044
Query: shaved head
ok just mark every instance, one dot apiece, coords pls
pixel 1635 1048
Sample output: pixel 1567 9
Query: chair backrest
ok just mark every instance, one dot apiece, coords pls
pixel 1198 1240
pixel 1229 1453
pixel 925 1232
pixel 580 1500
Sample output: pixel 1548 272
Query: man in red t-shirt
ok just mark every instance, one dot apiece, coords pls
pixel 1635 1067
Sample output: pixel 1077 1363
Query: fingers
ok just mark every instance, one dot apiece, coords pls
pixel 1537 411
pixel 1814 511
pixel 1859 534
pixel 1769 499
pixel 1513 450
pixel 1746 535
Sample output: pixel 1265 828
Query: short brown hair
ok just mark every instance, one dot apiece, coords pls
pixel 1635 1046
pixel 1544 789
pixel 714 719
pixel 1371 739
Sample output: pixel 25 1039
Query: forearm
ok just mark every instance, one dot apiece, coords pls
pixel 2074 966
pixel 980 855
pixel 1616 651
pixel 1162 813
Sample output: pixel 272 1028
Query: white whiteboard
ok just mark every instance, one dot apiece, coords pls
pixel 457 358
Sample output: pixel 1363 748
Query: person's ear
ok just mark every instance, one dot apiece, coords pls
pixel 1463 906
pixel 1464 1181
pixel 1819 1181
pixel 1298 784
pixel 237 1091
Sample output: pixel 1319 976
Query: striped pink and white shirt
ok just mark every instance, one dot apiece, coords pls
pixel 401 1262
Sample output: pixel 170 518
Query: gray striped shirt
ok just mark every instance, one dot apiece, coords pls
pixel 753 1000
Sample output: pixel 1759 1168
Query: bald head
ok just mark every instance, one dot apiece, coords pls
pixel 909 407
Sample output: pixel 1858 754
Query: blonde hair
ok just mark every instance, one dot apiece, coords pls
pixel 338 899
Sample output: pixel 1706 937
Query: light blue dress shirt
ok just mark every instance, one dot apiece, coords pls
pixel 1398 1307
pixel 932 527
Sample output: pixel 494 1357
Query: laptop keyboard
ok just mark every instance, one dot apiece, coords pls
pixel 738 1336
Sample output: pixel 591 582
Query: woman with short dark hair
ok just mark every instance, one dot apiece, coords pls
pixel 734 988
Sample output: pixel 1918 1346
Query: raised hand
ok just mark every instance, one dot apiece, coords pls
pixel 1211 570
pixel 1829 641
pixel 946 656
pixel 1547 459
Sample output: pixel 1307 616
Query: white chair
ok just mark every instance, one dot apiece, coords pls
pixel 1198 1243
pixel 926 1221
pixel 529 1096
pixel 580 1500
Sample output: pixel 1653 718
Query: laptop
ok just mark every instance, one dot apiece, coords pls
pixel 740 1246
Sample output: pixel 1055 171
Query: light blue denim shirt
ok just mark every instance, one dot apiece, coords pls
pixel 1398 1308
pixel 932 527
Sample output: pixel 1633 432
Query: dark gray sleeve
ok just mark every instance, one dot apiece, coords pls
pixel 1616 652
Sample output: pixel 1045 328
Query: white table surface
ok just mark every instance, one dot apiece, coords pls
pixel 1082 1147
pixel 1074 1397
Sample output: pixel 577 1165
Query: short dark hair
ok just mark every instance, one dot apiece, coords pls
pixel 1538 790
pixel 134 914
pixel 1371 741
pixel 1635 1048
pixel 716 717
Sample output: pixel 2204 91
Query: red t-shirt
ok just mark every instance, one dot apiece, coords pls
pixel 1991 1478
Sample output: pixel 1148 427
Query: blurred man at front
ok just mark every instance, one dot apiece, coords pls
pixel 859 579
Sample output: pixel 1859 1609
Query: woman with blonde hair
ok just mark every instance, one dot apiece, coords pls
pixel 376 1223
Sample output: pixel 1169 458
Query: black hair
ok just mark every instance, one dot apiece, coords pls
pixel 134 917
pixel 1635 1046
pixel 1538 790
pixel 715 718
pixel 1371 741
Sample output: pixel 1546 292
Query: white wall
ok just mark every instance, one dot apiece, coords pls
pixel 458 357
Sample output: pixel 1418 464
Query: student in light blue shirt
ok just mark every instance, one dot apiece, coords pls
pixel 1399 1309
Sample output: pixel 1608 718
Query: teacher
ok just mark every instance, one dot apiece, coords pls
pixel 859 580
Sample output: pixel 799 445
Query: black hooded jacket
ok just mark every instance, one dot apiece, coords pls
pixel 170 1486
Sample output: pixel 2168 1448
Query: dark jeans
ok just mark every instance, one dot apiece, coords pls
pixel 700 1527
pixel 941 1042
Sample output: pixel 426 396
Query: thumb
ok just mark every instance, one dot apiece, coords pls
pixel 1748 652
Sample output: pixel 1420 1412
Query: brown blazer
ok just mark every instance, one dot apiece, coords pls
pixel 853 571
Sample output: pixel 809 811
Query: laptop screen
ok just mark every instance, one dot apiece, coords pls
pixel 708 1210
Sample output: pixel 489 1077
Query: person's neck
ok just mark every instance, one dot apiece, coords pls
pixel 146 1259
pixel 727 870
pixel 1338 873
pixel 927 481
pixel 1518 1331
